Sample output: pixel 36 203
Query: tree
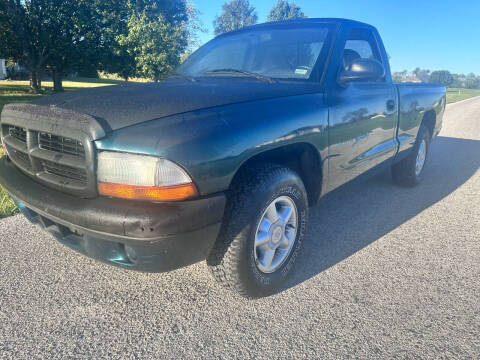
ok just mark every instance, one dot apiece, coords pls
pixel 235 15
pixel 117 58
pixel 75 29
pixel 442 76
pixel 155 43
pixel 422 74
pixel 399 76
pixel 24 37
pixel 128 37
pixel 148 37
pixel 284 10
pixel 472 81
pixel 458 80
pixel 50 35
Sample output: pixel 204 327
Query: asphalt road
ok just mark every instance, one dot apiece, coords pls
pixel 387 272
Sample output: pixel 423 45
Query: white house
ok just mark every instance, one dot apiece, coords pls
pixel 3 70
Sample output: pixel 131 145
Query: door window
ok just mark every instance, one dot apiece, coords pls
pixel 360 44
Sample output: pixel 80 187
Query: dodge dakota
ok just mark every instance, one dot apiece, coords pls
pixel 222 160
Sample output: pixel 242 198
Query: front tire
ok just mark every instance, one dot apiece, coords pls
pixel 409 171
pixel 262 232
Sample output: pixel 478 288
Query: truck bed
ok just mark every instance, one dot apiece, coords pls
pixel 416 101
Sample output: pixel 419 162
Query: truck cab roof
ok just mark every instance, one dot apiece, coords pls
pixel 295 22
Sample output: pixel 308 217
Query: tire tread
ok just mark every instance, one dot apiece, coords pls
pixel 403 172
pixel 225 257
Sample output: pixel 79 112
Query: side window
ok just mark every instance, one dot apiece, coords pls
pixel 360 43
pixel 361 47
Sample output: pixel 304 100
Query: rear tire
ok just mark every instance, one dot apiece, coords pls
pixel 408 172
pixel 254 256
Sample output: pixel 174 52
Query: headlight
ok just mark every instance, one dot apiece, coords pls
pixel 143 177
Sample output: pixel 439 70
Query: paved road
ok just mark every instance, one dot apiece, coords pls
pixel 387 272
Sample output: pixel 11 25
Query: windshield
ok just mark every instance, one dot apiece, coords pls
pixel 274 52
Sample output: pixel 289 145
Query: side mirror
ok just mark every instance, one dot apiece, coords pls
pixel 362 70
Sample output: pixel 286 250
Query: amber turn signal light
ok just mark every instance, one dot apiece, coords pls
pixel 166 193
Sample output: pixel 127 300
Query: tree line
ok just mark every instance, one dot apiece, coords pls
pixel 467 81
pixel 239 13
pixel 125 37
pixel 130 38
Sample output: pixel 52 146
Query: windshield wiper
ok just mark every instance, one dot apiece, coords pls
pixel 243 72
pixel 184 76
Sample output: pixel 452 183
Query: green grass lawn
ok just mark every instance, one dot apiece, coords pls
pixel 18 91
pixel 7 206
pixel 454 95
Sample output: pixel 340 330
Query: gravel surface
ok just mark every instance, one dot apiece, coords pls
pixel 387 272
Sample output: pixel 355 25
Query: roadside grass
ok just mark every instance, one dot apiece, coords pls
pixel 18 92
pixel 7 206
pixel 106 76
pixel 454 95
pixel 10 93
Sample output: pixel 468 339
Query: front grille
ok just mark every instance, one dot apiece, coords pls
pixel 59 161
pixel 65 171
pixel 20 158
pixel 18 133
pixel 61 144
pixel 54 146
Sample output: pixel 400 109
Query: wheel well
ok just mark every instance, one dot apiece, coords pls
pixel 302 158
pixel 429 120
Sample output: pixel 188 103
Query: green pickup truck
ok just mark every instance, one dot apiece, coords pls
pixel 222 160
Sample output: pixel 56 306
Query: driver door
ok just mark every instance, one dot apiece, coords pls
pixel 363 117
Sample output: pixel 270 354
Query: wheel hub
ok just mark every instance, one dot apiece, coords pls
pixel 276 234
pixel 421 157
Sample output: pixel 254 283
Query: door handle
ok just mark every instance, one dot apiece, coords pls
pixel 391 105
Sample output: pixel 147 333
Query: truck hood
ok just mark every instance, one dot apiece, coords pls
pixel 131 104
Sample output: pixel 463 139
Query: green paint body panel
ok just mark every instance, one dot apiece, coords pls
pixel 212 144
pixel 351 127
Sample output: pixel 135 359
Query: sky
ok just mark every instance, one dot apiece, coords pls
pixel 436 35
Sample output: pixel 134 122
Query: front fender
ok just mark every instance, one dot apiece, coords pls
pixel 212 144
